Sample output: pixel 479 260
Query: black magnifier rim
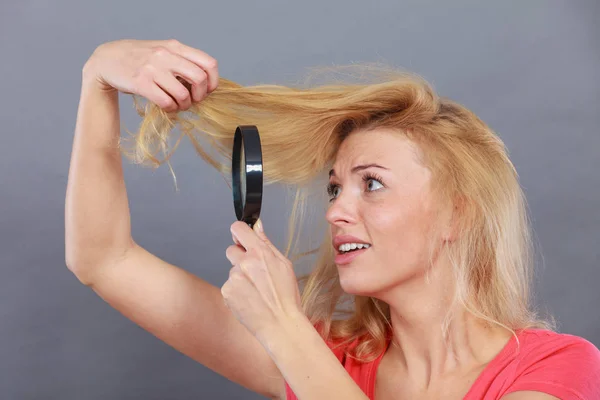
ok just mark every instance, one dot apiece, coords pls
pixel 247 136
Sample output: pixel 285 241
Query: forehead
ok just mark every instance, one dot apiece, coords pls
pixel 390 148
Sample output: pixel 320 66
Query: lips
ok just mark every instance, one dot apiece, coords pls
pixel 343 239
pixel 348 257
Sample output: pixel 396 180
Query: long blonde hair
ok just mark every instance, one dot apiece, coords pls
pixel 301 130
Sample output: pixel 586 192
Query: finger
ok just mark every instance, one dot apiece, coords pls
pixel 235 240
pixel 234 254
pixel 244 266
pixel 189 74
pixel 174 88
pixel 158 96
pixel 239 272
pixel 235 270
pixel 260 232
pixel 245 235
pixel 192 77
pixel 200 58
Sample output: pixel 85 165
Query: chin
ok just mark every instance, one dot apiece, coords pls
pixel 356 283
pixel 371 282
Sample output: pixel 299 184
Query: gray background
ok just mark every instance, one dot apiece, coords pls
pixel 530 69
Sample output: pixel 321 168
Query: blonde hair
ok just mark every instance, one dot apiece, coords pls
pixel 301 130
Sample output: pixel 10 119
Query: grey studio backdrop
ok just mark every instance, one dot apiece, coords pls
pixel 530 69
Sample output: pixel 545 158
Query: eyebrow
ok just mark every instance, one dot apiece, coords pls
pixel 360 168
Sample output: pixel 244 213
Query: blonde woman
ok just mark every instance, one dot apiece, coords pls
pixel 428 239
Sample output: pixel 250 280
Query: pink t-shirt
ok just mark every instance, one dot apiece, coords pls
pixel 562 365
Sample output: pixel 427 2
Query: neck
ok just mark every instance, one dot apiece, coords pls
pixel 418 309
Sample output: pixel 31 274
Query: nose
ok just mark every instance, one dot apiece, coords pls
pixel 342 210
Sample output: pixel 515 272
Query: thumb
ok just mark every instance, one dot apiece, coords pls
pixel 260 231
pixel 258 226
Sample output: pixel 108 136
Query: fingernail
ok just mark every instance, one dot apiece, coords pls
pixel 259 225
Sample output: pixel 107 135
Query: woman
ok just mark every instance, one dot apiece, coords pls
pixel 428 239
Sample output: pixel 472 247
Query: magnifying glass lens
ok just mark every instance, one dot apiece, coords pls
pixel 247 174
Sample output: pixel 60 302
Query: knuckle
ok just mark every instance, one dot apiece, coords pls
pixel 244 264
pixel 173 43
pixel 253 254
pixel 147 71
pixel 254 264
pixel 167 104
pixel 236 277
pixel 235 272
pixel 181 94
pixel 200 77
pixel 159 51
pixel 212 64
pixel 225 293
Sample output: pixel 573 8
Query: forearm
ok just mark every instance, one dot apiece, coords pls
pixel 97 221
pixel 308 365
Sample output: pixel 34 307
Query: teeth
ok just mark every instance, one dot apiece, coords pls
pixel 351 246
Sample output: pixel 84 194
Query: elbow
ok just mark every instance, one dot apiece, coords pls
pixel 85 261
pixel 81 263
pixel 75 258
pixel 78 269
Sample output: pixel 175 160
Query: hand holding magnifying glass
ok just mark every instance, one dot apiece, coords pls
pixel 266 303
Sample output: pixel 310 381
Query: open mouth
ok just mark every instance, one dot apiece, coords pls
pixel 346 256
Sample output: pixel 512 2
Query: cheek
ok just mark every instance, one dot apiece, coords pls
pixel 401 238
pixel 393 226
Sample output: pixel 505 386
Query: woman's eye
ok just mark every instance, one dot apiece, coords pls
pixel 332 189
pixel 373 180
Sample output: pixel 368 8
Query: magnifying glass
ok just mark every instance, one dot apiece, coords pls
pixel 247 174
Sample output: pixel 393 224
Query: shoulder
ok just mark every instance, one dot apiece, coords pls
pixel 557 363
pixel 541 344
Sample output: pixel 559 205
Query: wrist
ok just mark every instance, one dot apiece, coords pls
pixel 286 331
pixel 91 77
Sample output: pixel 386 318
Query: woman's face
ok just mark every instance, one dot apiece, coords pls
pixel 389 208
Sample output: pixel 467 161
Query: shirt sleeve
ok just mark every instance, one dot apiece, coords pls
pixel 567 367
